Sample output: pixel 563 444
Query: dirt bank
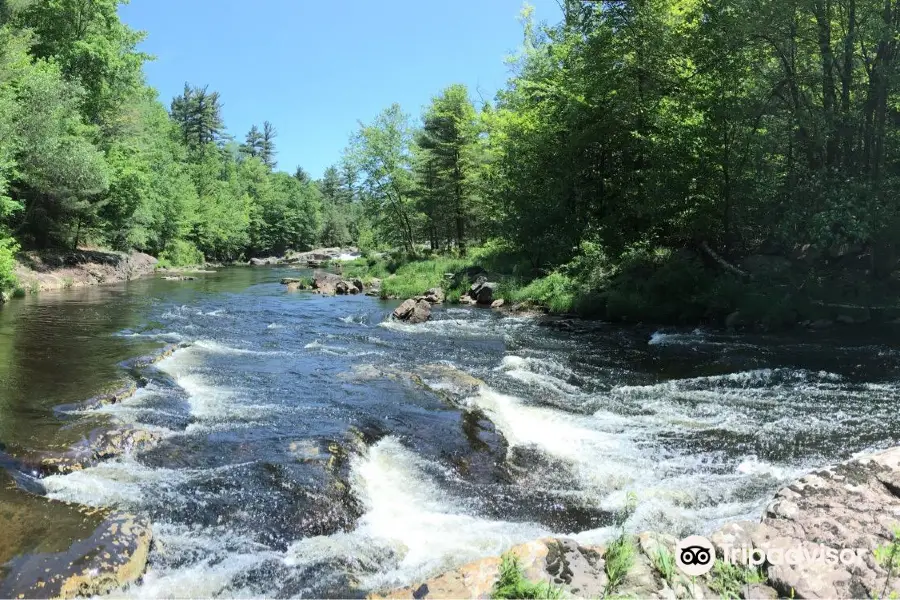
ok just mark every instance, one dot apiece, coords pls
pixel 53 270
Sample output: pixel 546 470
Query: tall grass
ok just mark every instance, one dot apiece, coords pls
pixel 513 585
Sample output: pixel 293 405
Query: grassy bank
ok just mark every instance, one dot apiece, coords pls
pixel 649 285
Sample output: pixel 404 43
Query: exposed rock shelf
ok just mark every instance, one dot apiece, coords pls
pixel 854 505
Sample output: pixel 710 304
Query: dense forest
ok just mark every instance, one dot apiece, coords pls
pixel 716 154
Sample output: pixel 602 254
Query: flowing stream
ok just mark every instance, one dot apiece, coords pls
pixel 311 447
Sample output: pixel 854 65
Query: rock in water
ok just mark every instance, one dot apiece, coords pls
pixel 435 296
pixel 413 312
pixel 114 556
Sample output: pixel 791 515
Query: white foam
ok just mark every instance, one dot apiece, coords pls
pixel 120 482
pixel 407 511
pixel 661 338
pixel 752 465
pixel 572 438
pixel 214 557
pixel 219 348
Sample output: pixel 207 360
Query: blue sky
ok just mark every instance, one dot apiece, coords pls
pixel 316 67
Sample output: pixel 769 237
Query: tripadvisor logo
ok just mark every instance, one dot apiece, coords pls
pixel 696 555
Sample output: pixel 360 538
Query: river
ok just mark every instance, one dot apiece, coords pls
pixel 312 447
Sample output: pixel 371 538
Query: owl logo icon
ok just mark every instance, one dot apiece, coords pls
pixel 695 556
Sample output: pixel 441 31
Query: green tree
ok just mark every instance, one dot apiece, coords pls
pixel 448 163
pixel 199 114
pixel 380 152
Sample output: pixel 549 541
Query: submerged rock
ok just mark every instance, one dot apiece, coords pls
pixel 102 445
pixel 413 312
pixel 114 556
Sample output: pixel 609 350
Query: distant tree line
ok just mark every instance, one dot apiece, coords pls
pixel 632 128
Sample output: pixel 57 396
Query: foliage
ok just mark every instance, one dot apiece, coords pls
pixel 8 249
pixel 619 556
pixel 727 579
pixel 513 585
pixel 180 254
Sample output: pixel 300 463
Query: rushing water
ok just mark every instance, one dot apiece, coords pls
pixel 311 447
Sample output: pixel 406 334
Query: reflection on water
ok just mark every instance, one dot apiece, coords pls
pixel 311 447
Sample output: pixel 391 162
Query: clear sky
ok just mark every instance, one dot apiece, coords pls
pixel 314 68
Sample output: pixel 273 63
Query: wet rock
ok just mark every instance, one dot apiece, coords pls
pixel 114 556
pixel 484 293
pixel 149 360
pixel 458 381
pixel 578 570
pixel 358 284
pixel 180 278
pixel 498 303
pixel 413 312
pixel 119 392
pixel 102 445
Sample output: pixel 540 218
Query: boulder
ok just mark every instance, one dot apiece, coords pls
pixel 434 296
pixel 261 262
pixel 326 283
pixel 482 291
pixel 413 311
pixel 467 276
pixel 358 284
pixel 114 556
pixel 500 303
pixel 374 288
pixel 577 570
pixel 342 288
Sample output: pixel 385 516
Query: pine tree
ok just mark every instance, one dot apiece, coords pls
pixel 267 146
pixel 253 145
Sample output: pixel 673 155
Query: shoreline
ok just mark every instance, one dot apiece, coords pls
pixel 44 271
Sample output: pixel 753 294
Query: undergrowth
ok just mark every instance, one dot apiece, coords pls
pixel 513 585
pixel 727 579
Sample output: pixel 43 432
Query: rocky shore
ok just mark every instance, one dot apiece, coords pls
pixel 850 511
pixel 52 270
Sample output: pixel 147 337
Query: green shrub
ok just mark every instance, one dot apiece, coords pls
pixel 181 254
pixel 512 584
pixel 8 249
pixel 557 292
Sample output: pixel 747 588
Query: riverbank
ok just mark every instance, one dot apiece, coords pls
pixel 758 293
pixel 848 512
pixel 47 270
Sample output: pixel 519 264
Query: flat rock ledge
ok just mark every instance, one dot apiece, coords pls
pixel 852 507
pixel 114 556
